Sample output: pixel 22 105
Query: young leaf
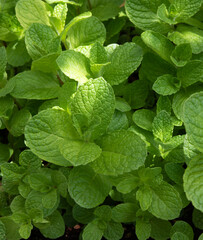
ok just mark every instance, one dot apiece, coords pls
pixel 93 231
pixel 166 85
pixel 162 126
pixel 188 34
pixel 181 54
pixel 94 102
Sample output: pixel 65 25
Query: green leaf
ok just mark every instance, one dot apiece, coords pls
pixel 74 65
pixel 105 9
pixel 10 29
pixel 93 231
pixel 181 230
pixel 193 117
pixel 166 85
pixel 55 228
pixel 188 34
pixel 143 118
pixel 83 215
pixel 11 228
pixel 128 184
pixel 200 237
pixel 3 62
pixel 191 73
pixel 17 53
pixel 34 85
pixel 118 122
pixel 49 200
pixel 94 102
pixel 122 151
pixel 40 181
pixel 160 230
pixel 29 160
pixel 18 204
pixel 143 14
pixel 175 172
pixel 166 202
pixel 79 152
pixel 2 231
pixel 18 121
pixel 5 153
pixel 192 182
pixel 159 44
pixel 87 188
pixel 181 54
pixel 144 196
pixel 31 11
pixel 125 59
pixel 114 231
pixel 45 131
pixel 98 54
pixel 124 212
pixel 162 126
pixel 103 212
pixel 180 98
pixel 6 106
pixel 122 105
pixel 142 229
pixel 136 93
pixel 185 8
pixel 41 40
pixel 86 32
pixel 25 230
pixel 33 203
pixel 164 104
pixel 197 218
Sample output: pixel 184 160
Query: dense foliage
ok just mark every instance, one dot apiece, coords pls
pixel 101 118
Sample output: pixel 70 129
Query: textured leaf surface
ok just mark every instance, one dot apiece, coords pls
pixel 87 188
pixel 162 126
pixel 166 85
pixel 193 118
pixel 124 61
pixel 31 11
pixel 44 133
pixel 34 85
pixel 143 14
pixel 95 103
pixel 74 65
pixel 166 202
pixel 158 43
pixel 85 32
pixel 193 182
pixel 41 40
pixel 123 151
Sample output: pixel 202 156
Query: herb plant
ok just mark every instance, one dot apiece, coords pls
pixel 101 118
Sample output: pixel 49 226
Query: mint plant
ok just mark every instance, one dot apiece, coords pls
pixel 101 119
